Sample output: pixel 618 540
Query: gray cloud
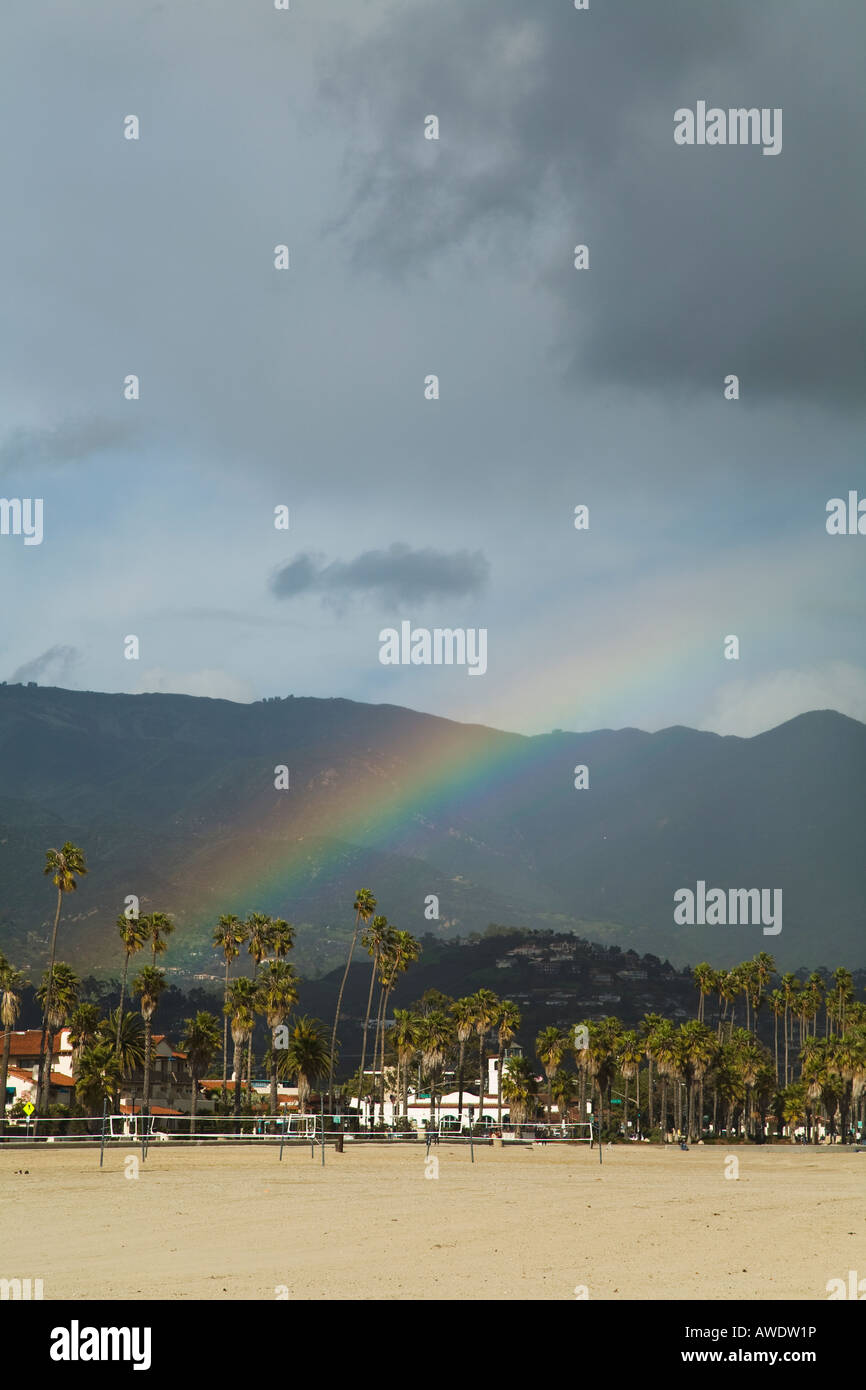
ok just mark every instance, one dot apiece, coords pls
pixel 703 261
pixel 59 661
pixel 398 574
pixel 70 441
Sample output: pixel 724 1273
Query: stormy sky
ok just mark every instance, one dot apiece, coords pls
pixel 409 257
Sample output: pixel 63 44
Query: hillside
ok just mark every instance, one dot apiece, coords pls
pixel 173 799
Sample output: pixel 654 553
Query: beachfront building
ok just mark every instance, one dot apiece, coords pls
pixel 24 1064
pixel 447 1106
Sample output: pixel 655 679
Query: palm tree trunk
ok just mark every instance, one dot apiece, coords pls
pixel 364 1039
pixel 238 1068
pixel 225 1034
pixel 499 1092
pixel 40 1081
pixel 663 1118
pixel 481 1087
pixel 337 1013
pixel 273 1076
pixel 146 1092
pixel 120 1005
pixel 193 1098
pixel 650 1091
pixel 4 1073
pixel 460 1059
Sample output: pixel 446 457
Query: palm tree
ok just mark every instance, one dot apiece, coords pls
pixel 790 985
pixel 520 1089
pixel 157 928
pixel 259 932
pixel 239 1006
pixel 463 1013
pixel 648 1031
pixel 229 935
pixel 365 906
pixel 487 1009
pixel 65 866
pixel 551 1046
pixel 277 996
pixel 776 1000
pixel 12 984
pixel 307 1056
pixel 62 989
pixel 127 1034
pixel 83 1028
pixel 97 1074
pixel 282 937
pixel 844 993
pixel 149 984
pixel 405 1039
pixel 435 1035
pixel 630 1055
pixel 664 1047
pixel 704 977
pixel 373 941
pixel 133 934
pixel 507 1024
pixel 403 949
pixel 562 1090
pixel 201 1041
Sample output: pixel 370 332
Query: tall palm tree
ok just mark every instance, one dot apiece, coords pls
pixel 790 986
pixel 844 993
pixel 277 995
pixel 630 1052
pixel 201 1042
pixel 282 937
pixel 157 927
pixel 307 1056
pixel 148 984
pixel 229 935
pixel 404 1036
pixel 403 949
pixel 649 1026
pixel 365 906
pixel 435 1036
pixel 373 940
pixel 260 936
pixel 65 866
pixel 551 1046
pixel 507 1025
pixel 776 1000
pixel 487 1007
pixel 133 933
pixel 463 1013
pixel 704 977
pixel 62 987
pixel 12 985
pixel 240 1006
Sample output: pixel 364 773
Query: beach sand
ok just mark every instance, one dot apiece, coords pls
pixel 523 1223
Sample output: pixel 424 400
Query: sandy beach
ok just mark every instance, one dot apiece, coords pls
pixel 525 1223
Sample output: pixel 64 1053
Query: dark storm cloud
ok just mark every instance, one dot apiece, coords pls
pixel 396 575
pixel 59 661
pixel 71 441
pixel 704 261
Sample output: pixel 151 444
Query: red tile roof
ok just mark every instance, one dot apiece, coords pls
pixel 24 1043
